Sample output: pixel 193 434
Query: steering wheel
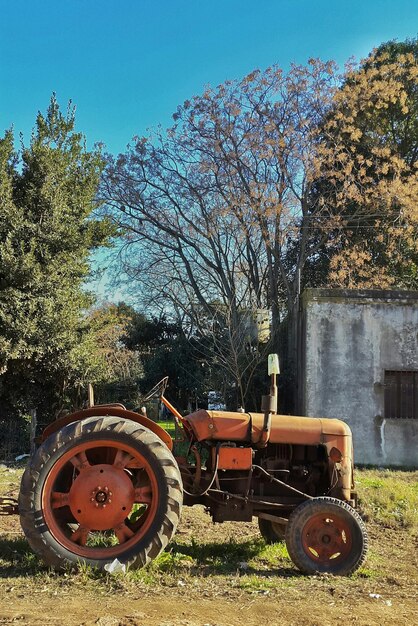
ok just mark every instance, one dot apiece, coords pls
pixel 158 389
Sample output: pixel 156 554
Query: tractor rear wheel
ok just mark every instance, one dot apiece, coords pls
pixel 327 536
pixel 272 532
pixel 101 489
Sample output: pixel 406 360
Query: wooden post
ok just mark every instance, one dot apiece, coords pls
pixel 91 395
pixel 32 431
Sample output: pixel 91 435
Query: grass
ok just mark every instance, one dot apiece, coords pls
pixel 181 446
pixel 185 560
pixel 389 497
pixel 9 479
pixel 169 426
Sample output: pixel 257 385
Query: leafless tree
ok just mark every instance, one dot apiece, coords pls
pixel 223 209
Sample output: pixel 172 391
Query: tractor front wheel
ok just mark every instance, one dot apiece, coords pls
pixel 101 489
pixel 327 536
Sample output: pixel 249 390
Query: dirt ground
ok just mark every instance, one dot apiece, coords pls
pixel 212 575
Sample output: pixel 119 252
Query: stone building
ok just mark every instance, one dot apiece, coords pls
pixel 358 361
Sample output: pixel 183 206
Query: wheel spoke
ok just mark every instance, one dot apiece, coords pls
pixel 80 535
pixel 59 499
pixel 123 533
pixel 122 459
pixel 80 461
pixel 143 495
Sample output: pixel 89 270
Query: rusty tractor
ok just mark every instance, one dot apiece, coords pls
pixel 104 484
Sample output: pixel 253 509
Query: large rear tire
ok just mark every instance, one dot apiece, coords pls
pixel 272 532
pixel 101 489
pixel 327 536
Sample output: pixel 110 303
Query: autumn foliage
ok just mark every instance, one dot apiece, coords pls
pixel 373 143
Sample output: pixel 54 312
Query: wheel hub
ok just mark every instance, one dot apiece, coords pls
pixel 325 539
pixel 101 497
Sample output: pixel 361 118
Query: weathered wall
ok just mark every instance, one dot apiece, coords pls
pixel 349 339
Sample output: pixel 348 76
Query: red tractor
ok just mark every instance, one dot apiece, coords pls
pixel 104 484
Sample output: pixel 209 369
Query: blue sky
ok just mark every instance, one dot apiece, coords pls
pixel 127 64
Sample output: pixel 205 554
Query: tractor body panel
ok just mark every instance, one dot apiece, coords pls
pixel 233 458
pixel 246 428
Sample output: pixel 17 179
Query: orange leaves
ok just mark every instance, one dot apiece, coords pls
pixel 353 268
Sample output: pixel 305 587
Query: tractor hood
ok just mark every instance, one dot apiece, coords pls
pixel 247 427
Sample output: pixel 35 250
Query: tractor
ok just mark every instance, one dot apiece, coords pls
pixel 104 486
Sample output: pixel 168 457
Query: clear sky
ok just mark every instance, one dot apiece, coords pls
pixel 127 64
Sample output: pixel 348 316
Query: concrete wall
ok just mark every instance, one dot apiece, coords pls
pixel 349 339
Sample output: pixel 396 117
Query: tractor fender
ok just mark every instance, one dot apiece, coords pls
pixel 108 411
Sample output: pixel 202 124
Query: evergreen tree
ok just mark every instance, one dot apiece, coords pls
pixel 47 232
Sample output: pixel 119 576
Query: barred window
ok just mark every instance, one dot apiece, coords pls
pixel 401 394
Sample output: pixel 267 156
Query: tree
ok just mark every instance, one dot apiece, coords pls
pixel 211 207
pixel 373 136
pixel 262 186
pixel 164 350
pixel 47 232
pixel 10 220
pixel 109 326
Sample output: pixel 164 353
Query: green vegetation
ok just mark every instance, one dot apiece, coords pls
pixel 47 233
pixel 390 497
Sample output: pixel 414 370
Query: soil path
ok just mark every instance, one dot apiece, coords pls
pixel 84 610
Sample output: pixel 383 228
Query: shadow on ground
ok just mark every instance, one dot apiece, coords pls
pixel 198 559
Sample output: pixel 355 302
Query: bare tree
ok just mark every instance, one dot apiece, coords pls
pixel 211 206
pixel 250 185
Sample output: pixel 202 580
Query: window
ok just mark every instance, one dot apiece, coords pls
pixel 401 394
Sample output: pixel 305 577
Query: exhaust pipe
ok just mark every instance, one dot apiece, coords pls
pixel 269 403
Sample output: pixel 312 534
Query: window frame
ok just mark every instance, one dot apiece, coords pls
pixel 397 406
